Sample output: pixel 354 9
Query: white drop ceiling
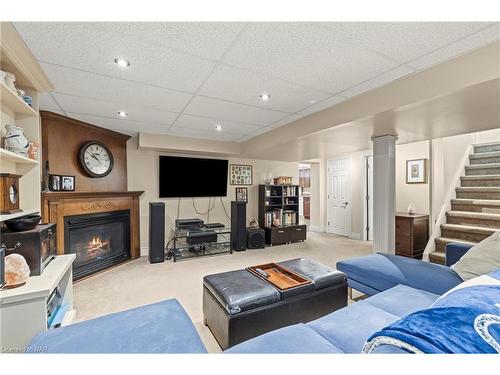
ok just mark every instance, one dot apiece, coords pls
pixel 185 78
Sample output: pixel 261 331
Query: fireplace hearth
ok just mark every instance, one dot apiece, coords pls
pixel 99 240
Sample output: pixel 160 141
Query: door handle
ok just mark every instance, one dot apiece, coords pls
pixel 344 205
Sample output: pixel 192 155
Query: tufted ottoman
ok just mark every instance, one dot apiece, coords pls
pixel 239 305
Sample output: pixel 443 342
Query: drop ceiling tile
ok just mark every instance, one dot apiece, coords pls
pixel 243 86
pixel 479 39
pixel 208 124
pixel 76 104
pixel 378 81
pixel 254 134
pixel 90 46
pixel 206 39
pixel 46 102
pixel 316 107
pixel 119 125
pixel 285 121
pixel 76 82
pixel 196 133
pixel 306 53
pixel 226 111
pixel 404 41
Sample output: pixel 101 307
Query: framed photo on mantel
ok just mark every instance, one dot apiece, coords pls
pixel 416 171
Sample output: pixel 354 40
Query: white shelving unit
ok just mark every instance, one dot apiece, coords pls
pixel 23 310
pixel 16 58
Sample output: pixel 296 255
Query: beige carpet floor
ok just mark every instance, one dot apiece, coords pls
pixel 138 283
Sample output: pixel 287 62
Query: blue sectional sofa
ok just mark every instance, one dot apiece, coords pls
pixel 398 287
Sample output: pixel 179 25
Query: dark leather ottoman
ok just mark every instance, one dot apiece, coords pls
pixel 238 305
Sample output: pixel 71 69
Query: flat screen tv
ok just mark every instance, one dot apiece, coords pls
pixel 192 177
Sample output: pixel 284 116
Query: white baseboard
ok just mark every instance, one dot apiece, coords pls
pixel 355 236
pixel 144 251
pixel 316 228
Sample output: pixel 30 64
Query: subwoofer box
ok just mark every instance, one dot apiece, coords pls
pixel 256 238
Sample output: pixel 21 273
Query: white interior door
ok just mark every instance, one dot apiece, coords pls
pixel 339 196
pixel 369 197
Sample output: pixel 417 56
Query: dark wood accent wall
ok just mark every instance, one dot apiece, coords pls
pixel 61 139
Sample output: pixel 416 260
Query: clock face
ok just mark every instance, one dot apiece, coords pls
pixel 12 194
pixel 96 159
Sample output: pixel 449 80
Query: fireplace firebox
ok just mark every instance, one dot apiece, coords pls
pixel 98 240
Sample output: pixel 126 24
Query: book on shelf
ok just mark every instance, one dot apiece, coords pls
pixel 290 191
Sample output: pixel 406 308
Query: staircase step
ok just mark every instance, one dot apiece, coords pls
pixel 476 205
pixel 441 243
pixel 486 147
pixel 480 181
pixel 485 158
pixel 482 169
pixel 466 232
pixel 479 219
pixel 437 257
pixel 478 192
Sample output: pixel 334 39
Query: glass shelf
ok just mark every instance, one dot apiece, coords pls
pixel 184 250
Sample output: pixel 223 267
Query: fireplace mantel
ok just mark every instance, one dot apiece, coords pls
pixel 58 205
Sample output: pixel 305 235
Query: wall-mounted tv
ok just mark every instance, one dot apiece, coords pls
pixel 192 177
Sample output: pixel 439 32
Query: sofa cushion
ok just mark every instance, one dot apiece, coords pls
pixel 349 328
pixel 240 290
pixel 162 327
pixel 481 259
pixel 384 271
pixel 322 276
pixel 466 320
pixel 298 338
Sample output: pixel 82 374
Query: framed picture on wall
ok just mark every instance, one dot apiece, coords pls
pixel 68 183
pixel 416 171
pixel 240 174
pixel 54 182
pixel 242 194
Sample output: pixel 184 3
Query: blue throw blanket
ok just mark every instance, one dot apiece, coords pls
pixel 465 321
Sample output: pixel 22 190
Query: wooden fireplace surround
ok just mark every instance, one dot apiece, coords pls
pixel 57 205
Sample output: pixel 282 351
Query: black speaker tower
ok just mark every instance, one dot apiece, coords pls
pixel 156 232
pixel 238 226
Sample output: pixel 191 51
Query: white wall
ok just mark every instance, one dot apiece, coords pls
pixel 143 175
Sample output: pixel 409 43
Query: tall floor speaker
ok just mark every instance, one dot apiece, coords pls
pixel 238 226
pixel 156 232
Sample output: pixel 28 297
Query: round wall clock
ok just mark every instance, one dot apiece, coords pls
pixel 96 159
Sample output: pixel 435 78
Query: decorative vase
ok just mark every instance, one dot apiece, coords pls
pixel 10 81
pixel 411 209
pixel 268 178
pixel 15 140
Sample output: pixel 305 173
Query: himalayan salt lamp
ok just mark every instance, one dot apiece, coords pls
pixel 17 270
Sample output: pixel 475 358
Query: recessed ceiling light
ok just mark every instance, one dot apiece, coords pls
pixel 122 114
pixel 265 97
pixel 122 62
pixel 312 101
pixel 218 127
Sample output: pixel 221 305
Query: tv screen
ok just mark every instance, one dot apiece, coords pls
pixel 192 177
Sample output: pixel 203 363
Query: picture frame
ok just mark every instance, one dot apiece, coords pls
pixel 54 182
pixel 416 171
pixel 67 183
pixel 240 174
pixel 242 194
pixel 59 182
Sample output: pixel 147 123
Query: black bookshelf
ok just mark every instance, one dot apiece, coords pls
pixel 279 214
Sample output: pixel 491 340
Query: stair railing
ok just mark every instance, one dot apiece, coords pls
pixel 446 206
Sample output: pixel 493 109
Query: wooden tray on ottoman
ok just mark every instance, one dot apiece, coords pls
pixel 279 276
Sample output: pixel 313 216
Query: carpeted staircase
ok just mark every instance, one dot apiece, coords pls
pixel 475 213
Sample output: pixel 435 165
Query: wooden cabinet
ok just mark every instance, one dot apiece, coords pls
pixel 306 202
pixel 412 234
pixel 283 235
pixel 305 178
